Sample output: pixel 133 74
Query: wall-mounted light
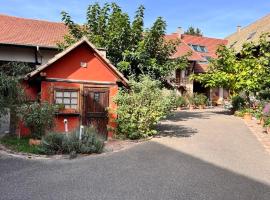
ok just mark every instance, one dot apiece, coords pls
pixel 83 64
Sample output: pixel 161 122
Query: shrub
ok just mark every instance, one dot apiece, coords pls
pixel 142 107
pixel 238 102
pixel 258 114
pixel 267 122
pixel 51 143
pixel 190 99
pixel 55 143
pixel 38 117
pixel 181 101
pixel 199 99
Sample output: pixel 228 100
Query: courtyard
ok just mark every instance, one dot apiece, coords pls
pixel 198 155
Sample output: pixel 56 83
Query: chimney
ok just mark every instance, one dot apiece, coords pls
pixel 180 31
pixel 238 29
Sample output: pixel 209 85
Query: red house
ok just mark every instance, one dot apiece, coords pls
pixel 84 81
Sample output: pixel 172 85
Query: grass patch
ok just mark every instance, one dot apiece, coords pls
pixel 19 145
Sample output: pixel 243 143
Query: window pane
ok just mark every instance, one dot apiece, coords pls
pixel 74 94
pixel 59 94
pixel 74 101
pixel 66 94
pixel 58 100
pixel 67 106
pixel 66 101
pixel 73 106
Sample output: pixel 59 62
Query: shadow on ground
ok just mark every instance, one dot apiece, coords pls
pixel 173 130
pixel 147 171
pixel 187 115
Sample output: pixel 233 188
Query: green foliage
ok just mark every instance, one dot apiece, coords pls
pixel 199 99
pixel 181 101
pixel 38 117
pixel 194 31
pixel 238 102
pixel 19 144
pixel 142 107
pixel 129 46
pixel 267 122
pixel 245 72
pixel 56 143
pixel 190 99
pixel 11 91
pixel 239 113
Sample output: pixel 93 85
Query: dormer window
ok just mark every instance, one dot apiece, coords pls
pixel 198 48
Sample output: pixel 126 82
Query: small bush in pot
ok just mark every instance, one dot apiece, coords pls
pixel 200 100
pixel 181 102
pixel 191 101
pixel 238 102
pixel 248 114
pixel 239 113
pixel 267 125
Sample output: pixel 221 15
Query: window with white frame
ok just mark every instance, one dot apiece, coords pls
pixel 68 98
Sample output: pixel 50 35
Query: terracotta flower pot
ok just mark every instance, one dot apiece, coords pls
pixel 262 121
pixel 268 129
pixel 179 109
pixel 201 107
pixel 247 116
pixel 34 142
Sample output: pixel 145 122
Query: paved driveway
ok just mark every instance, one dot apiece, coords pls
pixel 201 155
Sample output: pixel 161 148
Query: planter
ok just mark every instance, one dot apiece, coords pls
pixel 34 142
pixel 262 121
pixel 191 107
pixel 268 129
pixel 247 116
pixel 201 107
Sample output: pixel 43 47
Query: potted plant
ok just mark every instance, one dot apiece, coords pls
pixel 191 102
pixel 248 114
pixel 265 113
pixel 258 114
pixel 181 102
pixel 267 125
pixel 200 100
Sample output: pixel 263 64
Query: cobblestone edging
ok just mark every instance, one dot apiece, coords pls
pixel 260 133
pixel 111 146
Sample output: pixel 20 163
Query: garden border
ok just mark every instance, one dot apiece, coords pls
pixel 111 146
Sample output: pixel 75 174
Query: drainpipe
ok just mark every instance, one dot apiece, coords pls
pixel 38 53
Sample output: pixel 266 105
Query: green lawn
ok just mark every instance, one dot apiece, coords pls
pixel 19 145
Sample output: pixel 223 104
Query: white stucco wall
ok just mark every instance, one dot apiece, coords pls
pixel 24 54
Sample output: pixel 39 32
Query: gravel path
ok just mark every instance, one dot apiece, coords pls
pixel 199 155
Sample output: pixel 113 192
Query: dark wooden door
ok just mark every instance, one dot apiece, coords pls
pixel 96 100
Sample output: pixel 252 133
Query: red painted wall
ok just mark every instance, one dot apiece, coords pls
pixel 69 67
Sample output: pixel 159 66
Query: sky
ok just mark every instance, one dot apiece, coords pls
pixel 216 18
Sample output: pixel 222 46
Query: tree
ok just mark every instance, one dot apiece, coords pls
pixel 193 31
pixel 11 91
pixel 248 71
pixel 131 48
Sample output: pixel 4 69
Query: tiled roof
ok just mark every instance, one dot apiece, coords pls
pixel 30 32
pixel 211 45
pixel 250 33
